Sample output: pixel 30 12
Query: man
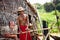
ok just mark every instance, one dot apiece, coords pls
pixel 9 32
pixel 23 24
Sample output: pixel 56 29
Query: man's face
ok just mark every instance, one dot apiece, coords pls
pixel 12 24
pixel 21 12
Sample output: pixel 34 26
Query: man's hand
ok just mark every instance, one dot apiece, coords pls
pixel 7 35
pixel 20 32
pixel 27 29
pixel 10 35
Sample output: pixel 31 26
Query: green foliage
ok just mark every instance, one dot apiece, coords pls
pixel 58 7
pixel 39 6
pixel 50 18
pixel 54 30
pixel 56 2
pixel 47 13
pixel 48 7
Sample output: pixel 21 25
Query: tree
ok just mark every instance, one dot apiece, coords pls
pixel 58 7
pixel 48 7
pixel 57 3
pixel 39 6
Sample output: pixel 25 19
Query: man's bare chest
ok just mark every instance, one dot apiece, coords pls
pixel 22 18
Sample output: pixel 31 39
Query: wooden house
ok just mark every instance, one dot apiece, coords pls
pixel 8 12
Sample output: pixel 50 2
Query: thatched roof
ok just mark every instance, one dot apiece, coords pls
pixel 31 7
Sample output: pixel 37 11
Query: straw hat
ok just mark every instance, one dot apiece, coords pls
pixel 21 9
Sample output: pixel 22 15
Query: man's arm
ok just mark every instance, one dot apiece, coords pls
pixel 8 35
pixel 27 20
pixel 18 21
pixel 19 30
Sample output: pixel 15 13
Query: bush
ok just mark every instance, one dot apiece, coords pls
pixel 48 7
pixel 58 7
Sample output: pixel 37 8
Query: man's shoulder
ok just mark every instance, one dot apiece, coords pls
pixel 6 27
